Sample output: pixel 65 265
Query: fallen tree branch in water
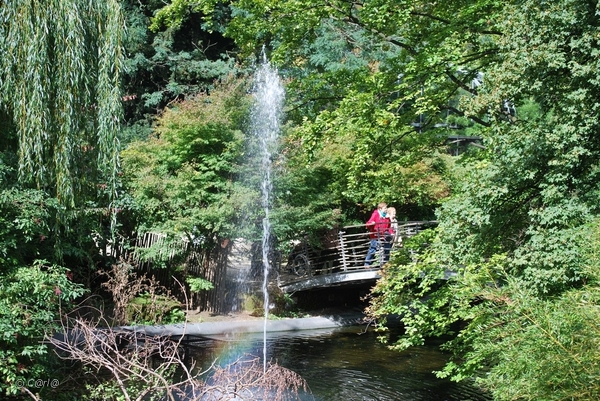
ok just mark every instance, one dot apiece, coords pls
pixel 139 366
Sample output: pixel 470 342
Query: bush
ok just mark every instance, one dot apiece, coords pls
pixel 31 301
pixel 151 308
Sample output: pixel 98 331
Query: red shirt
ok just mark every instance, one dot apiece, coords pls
pixel 381 226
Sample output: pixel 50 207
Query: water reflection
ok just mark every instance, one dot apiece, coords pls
pixel 345 365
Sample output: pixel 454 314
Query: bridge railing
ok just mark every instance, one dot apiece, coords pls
pixel 353 245
pixel 346 253
pixel 354 242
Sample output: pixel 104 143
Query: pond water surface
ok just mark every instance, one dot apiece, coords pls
pixel 346 365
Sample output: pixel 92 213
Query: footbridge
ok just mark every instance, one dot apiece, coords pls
pixel 342 261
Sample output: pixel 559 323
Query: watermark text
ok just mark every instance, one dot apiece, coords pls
pixel 38 383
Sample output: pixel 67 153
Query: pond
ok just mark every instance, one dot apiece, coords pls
pixel 346 364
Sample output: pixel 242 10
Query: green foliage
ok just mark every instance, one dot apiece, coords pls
pixel 59 85
pixel 34 290
pixel 198 284
pixel 167 65
pixel 370 93
pixel 181 181
pixel 518 345
pixel 370 156
pixel 542 349
pixel 28 232
pixel 515 242
pixel 24 231
pixel 173 14
pixel 31 299
pixel 538 183
pixel 534 348
pixel 151 308
pixel 428 298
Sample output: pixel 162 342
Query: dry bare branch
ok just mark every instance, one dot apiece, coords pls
pixel 142 366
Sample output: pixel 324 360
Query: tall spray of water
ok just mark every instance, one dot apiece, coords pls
pixel 268 104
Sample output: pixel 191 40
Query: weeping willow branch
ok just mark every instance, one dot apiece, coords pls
pixel 59 83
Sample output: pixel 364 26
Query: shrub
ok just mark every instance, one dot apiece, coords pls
pixel 31 300
pixel 151 308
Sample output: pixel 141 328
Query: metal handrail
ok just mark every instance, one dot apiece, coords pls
pixel 352 248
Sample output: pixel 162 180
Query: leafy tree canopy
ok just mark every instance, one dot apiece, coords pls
pixel 182 179
pixel 60 110
pixel 381 78
pixel 515 251
pixel 164 66
pixel 59 86
pixel 375 88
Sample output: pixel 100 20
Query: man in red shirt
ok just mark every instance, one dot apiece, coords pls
pixel 378 225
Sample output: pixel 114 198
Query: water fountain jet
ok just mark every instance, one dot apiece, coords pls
pixel 269 96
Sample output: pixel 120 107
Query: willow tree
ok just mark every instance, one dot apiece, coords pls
pixel 59 114
pixel 59 86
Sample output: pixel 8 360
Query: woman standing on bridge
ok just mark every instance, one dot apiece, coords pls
pixel 391 236
pixel 396 238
